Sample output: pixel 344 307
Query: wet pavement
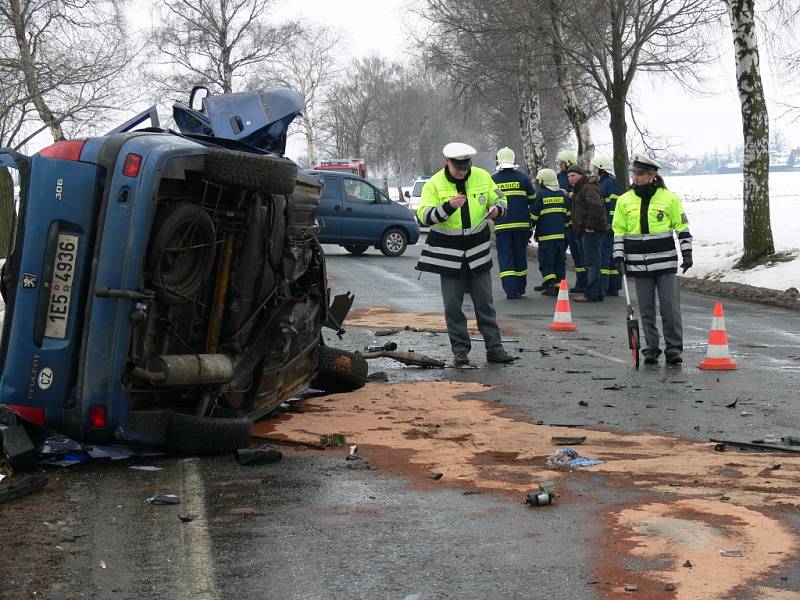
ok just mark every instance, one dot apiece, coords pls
pixel 316 525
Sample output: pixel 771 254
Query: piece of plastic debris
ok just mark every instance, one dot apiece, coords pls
pixel 23 488
pixel 334 440
pixel 688 563
pixel 437 476
pixel 18 448
pixel 188 518
pixel 353 450
pixel 744 413
pixel 560 440
pixel 164 499
pixel 102 564
pixel 731 553
pixel 58 444
pixel 669 587
pixel 257 456
pixel 145 468
pixel 567 458
pixel 631 587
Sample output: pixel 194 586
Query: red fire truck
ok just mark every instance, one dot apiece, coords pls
pixel 356 166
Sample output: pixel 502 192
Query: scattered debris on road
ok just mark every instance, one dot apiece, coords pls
pixel 23 488
pixel 378 376
pixel 333 440
pixel 388 347
pixel 187 518
pixel 560 440
pixel 163 499
pixel 17 447
pixel 567 458
pixel 149 468
pixel 409 358
pixel 385 332
pixel 631 587
pixel 257 456
pixel 721 445
pixel 545 495
pixel 437 476
pixel 735 553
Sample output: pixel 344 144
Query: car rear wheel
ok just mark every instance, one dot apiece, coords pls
pixel 357 250
pixel 340 370
pixel 263 172
pixel 394 242
pixel 190 434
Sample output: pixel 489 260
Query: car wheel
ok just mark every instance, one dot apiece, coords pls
pixel 357 250
pixel 190 434
pixel 263 172
pixel 394 242
pixel 182 248
pixel 340 370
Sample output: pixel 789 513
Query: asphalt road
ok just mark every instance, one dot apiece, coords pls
pixel 315 526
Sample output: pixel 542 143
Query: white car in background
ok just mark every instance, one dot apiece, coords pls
pixel 416 193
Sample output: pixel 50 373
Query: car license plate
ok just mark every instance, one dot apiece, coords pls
pixel 61 289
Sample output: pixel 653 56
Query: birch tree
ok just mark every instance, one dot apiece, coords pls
pixel 757 233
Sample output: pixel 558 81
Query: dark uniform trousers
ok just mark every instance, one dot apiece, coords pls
pixel 479 287
pixel 552 254
pixel 512 258
pixel 576 250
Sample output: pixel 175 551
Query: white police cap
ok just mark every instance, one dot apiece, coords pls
pixel 641 162
pixel 459 151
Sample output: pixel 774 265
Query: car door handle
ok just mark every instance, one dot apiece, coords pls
pixel 336 207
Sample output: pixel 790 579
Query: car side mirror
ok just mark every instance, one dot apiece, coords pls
pixel 407 194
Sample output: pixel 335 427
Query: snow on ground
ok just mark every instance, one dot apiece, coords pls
pixel 713 204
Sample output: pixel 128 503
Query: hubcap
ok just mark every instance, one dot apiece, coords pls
pixel 394 242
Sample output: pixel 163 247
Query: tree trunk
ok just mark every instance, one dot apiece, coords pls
pixel 757 232
pixel 29 72
pixel 619 130
pixel 311 142
pixel 6 209
pixel 572 108
pixel 530 119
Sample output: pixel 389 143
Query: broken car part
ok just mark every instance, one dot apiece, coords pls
pixel 23 488
pixel 257 456
pixel 755 447
pixel 409 358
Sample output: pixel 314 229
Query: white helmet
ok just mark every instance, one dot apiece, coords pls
pixel 602 162
pixel 505 159
pixel 567 156
pixel 547 178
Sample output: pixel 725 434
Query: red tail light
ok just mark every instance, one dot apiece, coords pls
pixel 32 414
pixel 97 417
pixel 132 164
pixel 70 150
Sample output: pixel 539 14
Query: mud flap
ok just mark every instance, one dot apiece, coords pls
pixel 338 310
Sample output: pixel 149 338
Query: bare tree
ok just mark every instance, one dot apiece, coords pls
pixel 757 232
pixel 214 43
pixel 613 40
pixel 310 65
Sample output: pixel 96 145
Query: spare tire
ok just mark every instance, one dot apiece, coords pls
pixel 190 434
pixel 340 370
pixel 262 172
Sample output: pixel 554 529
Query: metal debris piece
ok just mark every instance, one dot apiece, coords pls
pixel 163 499
pixel 284 442
pixel 334 440
pixel 631 587
pixel 669 587
pixel 257 456
pixel 756 447
pixel 388 346
pixel 615 388
pixel 437 476
pixel 565 440
pixel 377 376
pixel 732 404
pixel 744 413
pixel 409 358
pixel 735 553
pixel 603 378
pixel 688 563
pixel 583 403
pixel 791 441
pixel 23 488
pixel 188 518
pixel 16 445
pixel 545 495
pixel 383 332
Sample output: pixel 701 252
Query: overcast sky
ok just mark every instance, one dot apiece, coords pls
pixel 694 124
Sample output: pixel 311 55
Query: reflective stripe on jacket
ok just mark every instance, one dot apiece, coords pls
pixel 454 240
pixel 650 252
pixel 518 192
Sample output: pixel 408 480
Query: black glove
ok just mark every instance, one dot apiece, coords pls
pixel 619 264
pixel 687 262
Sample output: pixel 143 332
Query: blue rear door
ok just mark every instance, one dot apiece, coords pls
pixel 362 219
pixel 329 214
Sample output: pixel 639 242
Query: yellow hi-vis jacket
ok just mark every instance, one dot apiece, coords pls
pixel 648 245
pixel 458 236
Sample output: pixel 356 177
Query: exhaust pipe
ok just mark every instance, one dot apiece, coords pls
pixel 186 369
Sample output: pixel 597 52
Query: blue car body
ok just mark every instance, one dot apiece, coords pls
pixel 363 217
pixel 100 327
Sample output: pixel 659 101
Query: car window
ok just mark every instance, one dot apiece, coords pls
pixel 331 189
pixel 359 191
pixel 417 191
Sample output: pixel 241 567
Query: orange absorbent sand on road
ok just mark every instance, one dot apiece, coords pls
pixel 455 429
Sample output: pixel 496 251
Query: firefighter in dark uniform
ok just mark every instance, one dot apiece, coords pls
pixel 549 217
pixel 646 220
pixel 610 189
pixel 512 230
pixel 456 204
pixel 567 158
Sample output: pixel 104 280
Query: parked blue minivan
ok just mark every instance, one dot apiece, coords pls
pixel 355 214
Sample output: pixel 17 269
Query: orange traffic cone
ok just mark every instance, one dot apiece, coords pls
pixel 718 356
pixel 562 319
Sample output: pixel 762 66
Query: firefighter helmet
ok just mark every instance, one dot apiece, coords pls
pixel 547 178
pixel 567 156
pixel 602 162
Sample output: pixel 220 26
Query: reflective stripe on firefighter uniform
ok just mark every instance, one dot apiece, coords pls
pixel 512 230
pixel 548 214
pixel 610 189
pixel 649 248
pixel 458 236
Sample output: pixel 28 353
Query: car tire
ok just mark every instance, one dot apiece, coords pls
pixel 190 434
pixel 182 248
pixel 394 242
pixel 356 250
pixel 263 172
pixel 340 370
